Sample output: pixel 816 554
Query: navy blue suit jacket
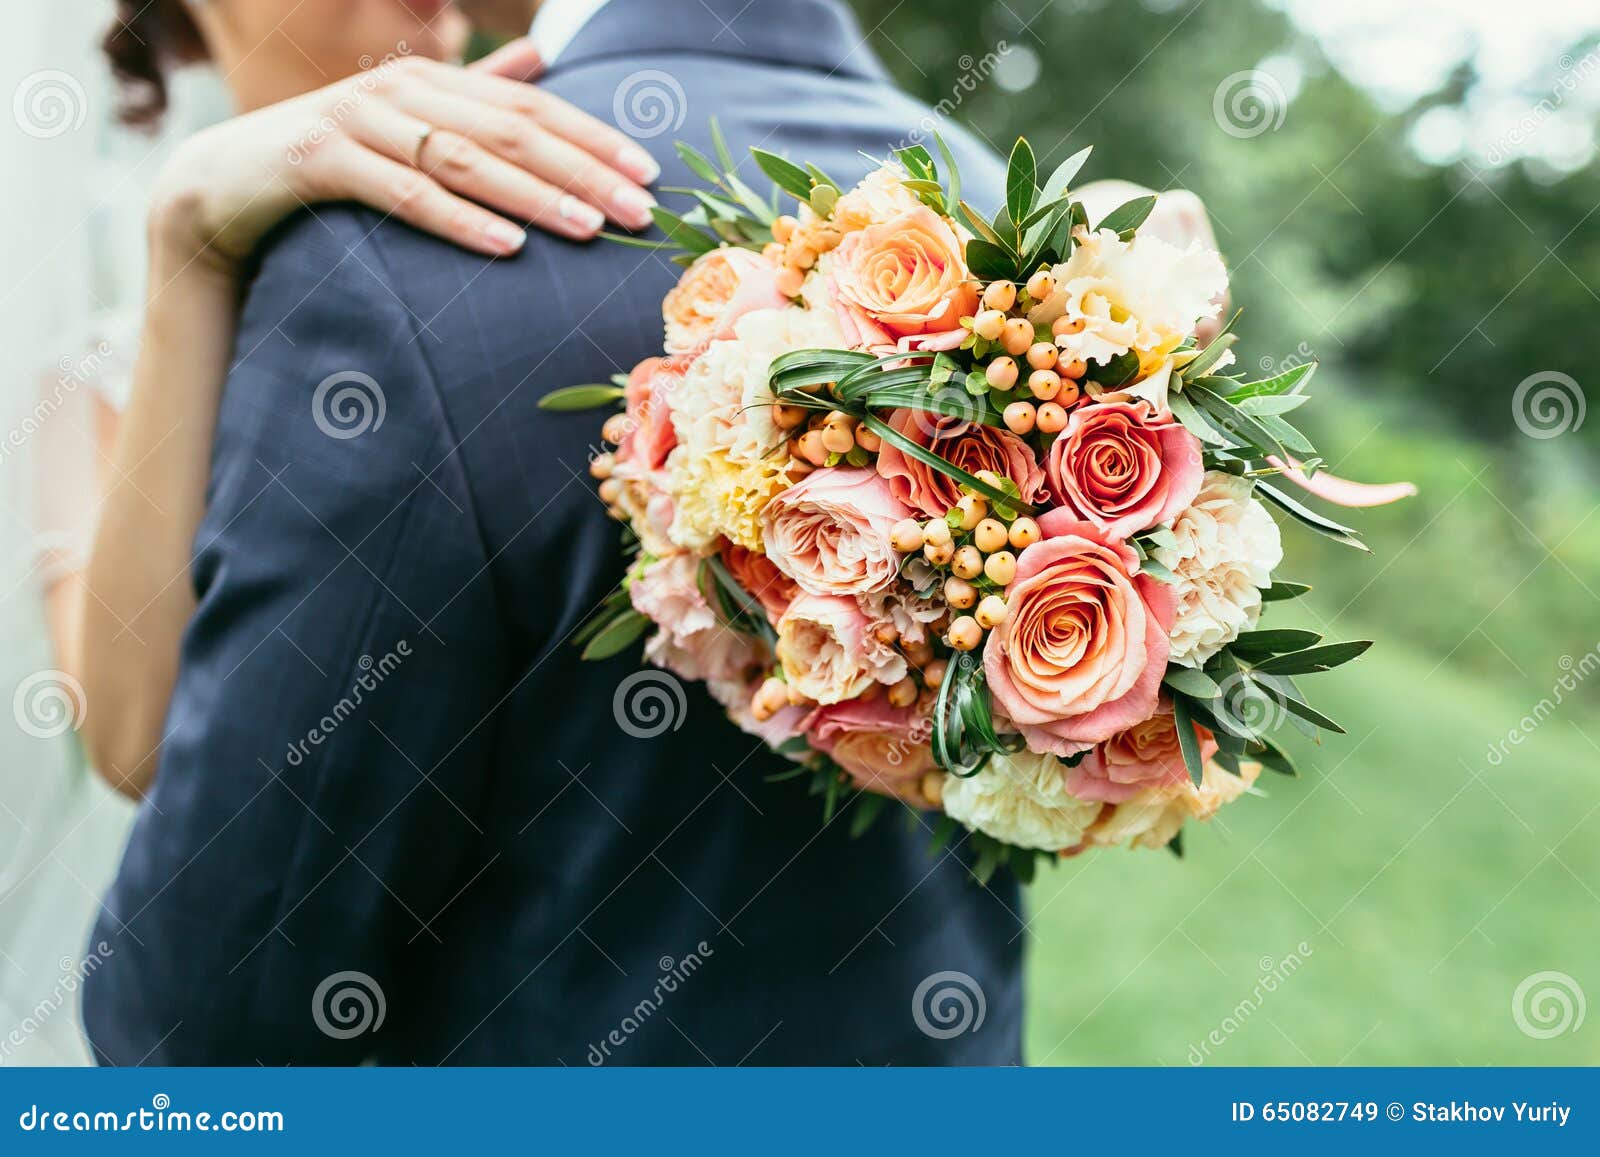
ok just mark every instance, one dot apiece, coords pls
pixel 387 770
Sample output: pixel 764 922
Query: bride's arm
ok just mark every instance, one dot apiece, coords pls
pixel 500 153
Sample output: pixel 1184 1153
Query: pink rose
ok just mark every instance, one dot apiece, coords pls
pixel 829 651
pixel 1144 757
pixel 903 283
pixel 717 290
pixel 883 749
pixel 969 445
pixel 691 643
pixel 1122 468
pixel 830 531
pixel 1082 651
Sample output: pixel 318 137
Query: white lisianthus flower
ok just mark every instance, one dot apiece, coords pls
pixel 723 469
pixel 1021 799
pixel 1143 295
pixel 1227 548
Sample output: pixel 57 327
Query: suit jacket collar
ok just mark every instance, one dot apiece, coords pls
pixel 815 34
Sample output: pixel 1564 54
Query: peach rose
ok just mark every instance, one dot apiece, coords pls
pixel 755 573
pixel 903 283
pixel 970 445
pixel 717 290
pixel 1123 468
pixel 1143 757
pixel 1081 653
pixel 830 531
pixel 828 651
pixel 650 437
pixel 883 749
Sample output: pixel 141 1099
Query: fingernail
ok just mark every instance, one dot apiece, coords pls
pixel 585 217
pixel 633 206
pixel 505 236
pixel 640 165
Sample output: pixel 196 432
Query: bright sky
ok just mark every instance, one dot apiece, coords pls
pixel 1402 49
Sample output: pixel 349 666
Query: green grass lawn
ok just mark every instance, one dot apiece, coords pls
pixel 1418 884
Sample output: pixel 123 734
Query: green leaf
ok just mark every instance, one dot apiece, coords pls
pixel 1157 570
pixel 1263 405
pixel 1193 421
pixel 686 235
pixel 974 221
pixel 1282 590
pixel 1060 180
pixel 1191 682
pixel 697 162
pixel 636 242
pixel 1021 173
pixel 1119 371
pixel 1188 741
pixel 1315 659
pixel 580 397
pixel 869 806
pixel 989 261
pixel 1296 705
pixel 950 167
pixel 1127 217
pixel 787 175
pixel 1278 384
pixel 1235 421
pixel 1273 758
pixel 1275 642
pixel 617 635
pixel 720 145
pixel 1310 517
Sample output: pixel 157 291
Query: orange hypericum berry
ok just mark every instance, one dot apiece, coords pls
pixel 990 535
pixel 968 562
pixel 965 634
pixel 906 536
pixel 783 229
pixel 1024 533
pixel 991 612
pixel 1042 356
pixel 1001 295
pixel 1074 369
pixel 989 324
pixel 1052 418
pixel 1044 384
pixel 1019 417
pixel 959 593
pixel 1041 285
pixel 1017 336
pixel 1001 373
pixel 1062 326
pixel 1000 568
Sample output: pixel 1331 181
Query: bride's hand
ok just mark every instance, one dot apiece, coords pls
pixel 500 153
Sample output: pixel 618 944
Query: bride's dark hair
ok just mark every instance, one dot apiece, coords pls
pixel 146 38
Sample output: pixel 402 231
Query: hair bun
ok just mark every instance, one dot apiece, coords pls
pixel 145 39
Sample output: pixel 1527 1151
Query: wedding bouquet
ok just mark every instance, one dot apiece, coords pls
pixel 958 509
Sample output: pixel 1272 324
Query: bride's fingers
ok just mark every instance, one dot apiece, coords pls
pixel 467 168
pixel 417 199
pixel 517 60
pixel 588 133
pixel 533 147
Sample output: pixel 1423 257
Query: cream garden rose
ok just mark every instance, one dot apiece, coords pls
pixel 828 651
pixel 1227 548
pixel 1021 799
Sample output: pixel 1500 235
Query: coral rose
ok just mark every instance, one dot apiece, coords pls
pixel 1123 468
pixel 717 290
pixel 650 435
pixel 828 651
pixel 970 445
pixel 755 573
pixel 830 531
pixel 1143 757
pixel 903 283
pixel 1083 648
pixel 883 749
